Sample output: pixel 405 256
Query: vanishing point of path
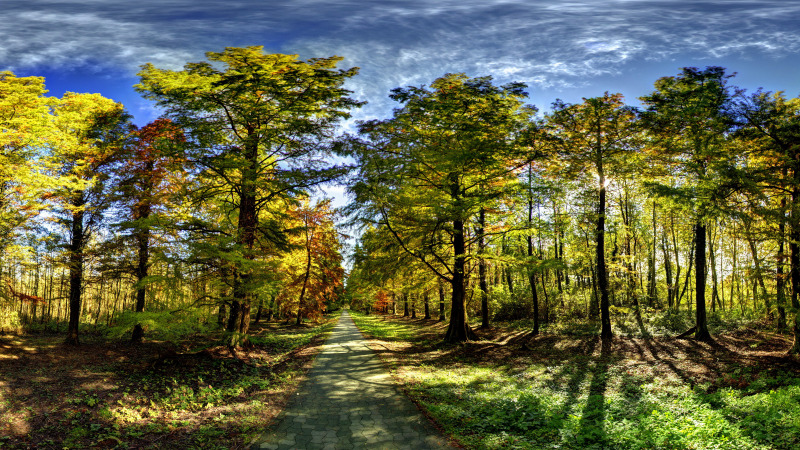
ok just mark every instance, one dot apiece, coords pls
pixel 350 401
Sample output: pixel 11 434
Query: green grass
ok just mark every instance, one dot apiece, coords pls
pixel 591 401
pixel 376 326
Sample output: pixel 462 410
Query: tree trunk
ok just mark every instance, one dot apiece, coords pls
pixel 780 277
pixel 759 277
pixel 143 258
pixel 75 273
pixel 600 256
pixel 531 270
pixel 426 300
pixel 712 256
pixel 482 270
pixel 794 257
pixel 406 312
pixel 692 257
pixel 259 310
pixel 239 322
pixel 305 280
pixel 442 316
pixel 702 333
pixel 458 330
pixel 652 286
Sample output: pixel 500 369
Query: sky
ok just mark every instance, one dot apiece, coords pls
pixel 560 49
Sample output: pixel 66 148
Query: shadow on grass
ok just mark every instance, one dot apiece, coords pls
pixel 585 370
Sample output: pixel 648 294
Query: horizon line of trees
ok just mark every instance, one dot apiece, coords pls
pixel 589 209
pixel 577 213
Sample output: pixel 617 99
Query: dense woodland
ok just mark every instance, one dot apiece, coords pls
pixel 470 204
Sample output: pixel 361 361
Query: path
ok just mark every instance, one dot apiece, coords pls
pixel 350 401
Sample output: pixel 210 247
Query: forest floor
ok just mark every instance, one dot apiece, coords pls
pixel 105 394
pixel 567 391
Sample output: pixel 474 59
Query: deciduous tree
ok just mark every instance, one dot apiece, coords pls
pixel 262 125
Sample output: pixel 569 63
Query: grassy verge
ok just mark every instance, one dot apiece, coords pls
pixel 557 391
pixel 157 395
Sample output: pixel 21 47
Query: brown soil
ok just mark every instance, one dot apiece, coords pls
pixel 58 396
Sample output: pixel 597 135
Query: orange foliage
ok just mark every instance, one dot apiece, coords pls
pixel 381 305
pixel 25 297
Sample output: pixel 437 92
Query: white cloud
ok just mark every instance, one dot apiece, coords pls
pixel 548 44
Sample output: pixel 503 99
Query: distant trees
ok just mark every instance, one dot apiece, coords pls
pixel 590 209
pixel 771 125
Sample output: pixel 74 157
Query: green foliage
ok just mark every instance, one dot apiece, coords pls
pixel 579 402
pixel 9 320
pixel 163 325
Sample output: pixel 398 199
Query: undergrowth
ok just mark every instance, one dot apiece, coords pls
pixel 554 398
pixel 205 399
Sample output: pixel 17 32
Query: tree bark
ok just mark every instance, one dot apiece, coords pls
pixel 531 270
pixel 602 274
pixel 239 322
pixel 482 270
pixel 143 260
pixel 458 330
pixel 780 277
pixel 794 256
pixel 442 316
pixel 701 321
pixel 76 248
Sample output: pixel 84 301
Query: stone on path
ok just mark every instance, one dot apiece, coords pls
pixel 350 401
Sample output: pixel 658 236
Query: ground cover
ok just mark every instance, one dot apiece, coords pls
pixel 568 391
pixel 111 394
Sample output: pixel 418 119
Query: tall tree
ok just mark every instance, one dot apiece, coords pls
pixel 592 138
pixel 90 134
pixel 689 116
pixel 314 268
pixel 425 173
pixel 772 125
pixel 262 125
pixel 151 180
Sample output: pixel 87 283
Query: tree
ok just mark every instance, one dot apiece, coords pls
pixel 425 173
pixel 315 267
pixel 151 180
pixel 593 138
pixel 689 116
pixel 772 123
pixel 261 125
pixel 90 134
pixel 24 127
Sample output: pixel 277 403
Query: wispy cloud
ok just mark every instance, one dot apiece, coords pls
pixel 548 44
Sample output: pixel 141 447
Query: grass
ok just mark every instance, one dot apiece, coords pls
pixel 107 394
pixel 557 391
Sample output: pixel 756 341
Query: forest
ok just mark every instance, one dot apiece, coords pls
pixel 471 211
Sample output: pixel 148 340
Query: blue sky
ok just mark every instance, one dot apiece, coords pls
pixel 561 49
